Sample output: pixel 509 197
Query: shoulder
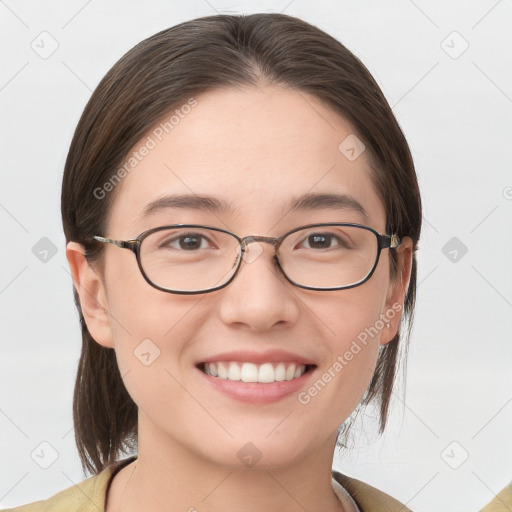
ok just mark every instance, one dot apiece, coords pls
pixel 87 496
pixel 502 502
pixel 368 498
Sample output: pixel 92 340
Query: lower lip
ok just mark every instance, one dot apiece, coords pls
pixel 257 392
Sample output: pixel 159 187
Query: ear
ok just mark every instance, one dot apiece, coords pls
pixel 398 287
pixel 91 291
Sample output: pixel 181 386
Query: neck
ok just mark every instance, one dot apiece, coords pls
pixel 170 476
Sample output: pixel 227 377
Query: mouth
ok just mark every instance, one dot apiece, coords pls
pixel 265 373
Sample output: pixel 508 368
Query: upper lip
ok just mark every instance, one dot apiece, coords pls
pixel 270 356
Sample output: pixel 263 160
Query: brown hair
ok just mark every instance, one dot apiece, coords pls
pixel 159 74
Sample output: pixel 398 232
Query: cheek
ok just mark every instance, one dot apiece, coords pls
pixel 340 384
pixel 336 391
pixel 150 338
pixel 151 329
pixel 352 325
pixel 137 309
pixel 356 314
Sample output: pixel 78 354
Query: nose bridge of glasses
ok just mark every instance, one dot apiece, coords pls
pixel 265 239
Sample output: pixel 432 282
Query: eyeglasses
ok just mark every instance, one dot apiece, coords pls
pixel 190 258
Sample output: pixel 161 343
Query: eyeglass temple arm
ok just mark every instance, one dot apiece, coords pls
pixel 123 244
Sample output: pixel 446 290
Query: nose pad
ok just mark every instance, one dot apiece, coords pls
pixel 252 250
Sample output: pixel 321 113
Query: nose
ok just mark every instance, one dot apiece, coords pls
pixel 259 297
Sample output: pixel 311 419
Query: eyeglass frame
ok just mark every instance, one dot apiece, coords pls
pixel 383 242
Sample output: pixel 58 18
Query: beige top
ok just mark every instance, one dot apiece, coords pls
pixel 90 495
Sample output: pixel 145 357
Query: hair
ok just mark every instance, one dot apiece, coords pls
pixel 165 71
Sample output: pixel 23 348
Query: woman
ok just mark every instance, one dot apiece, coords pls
pixel 269 204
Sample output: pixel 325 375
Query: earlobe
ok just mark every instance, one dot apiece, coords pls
pixel 397 291
pixel 91 292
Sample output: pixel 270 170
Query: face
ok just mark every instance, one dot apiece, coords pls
pixel 256 150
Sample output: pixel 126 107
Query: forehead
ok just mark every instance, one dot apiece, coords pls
pixel 256 151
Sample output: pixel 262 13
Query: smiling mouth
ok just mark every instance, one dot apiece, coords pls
pixel 265 373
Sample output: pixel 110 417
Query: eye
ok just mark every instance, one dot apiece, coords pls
pixel 186 242
pixel 325 241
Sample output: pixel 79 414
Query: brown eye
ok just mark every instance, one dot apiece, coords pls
pixel 188 242
pixel 325 241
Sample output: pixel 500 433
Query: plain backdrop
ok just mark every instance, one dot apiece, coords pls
pixel 444 67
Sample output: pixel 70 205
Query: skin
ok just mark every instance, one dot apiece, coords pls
pixel 255 148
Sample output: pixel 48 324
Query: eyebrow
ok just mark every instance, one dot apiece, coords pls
pixel 304 202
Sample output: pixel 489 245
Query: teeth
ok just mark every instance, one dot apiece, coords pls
pixel 280 372
pixel 233 371
pixel 222 371
pixel 250 372
pixel 290 372
pixel 266 373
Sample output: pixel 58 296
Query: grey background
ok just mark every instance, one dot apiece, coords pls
pixel 455 109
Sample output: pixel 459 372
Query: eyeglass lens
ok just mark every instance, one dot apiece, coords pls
pixel 191 259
